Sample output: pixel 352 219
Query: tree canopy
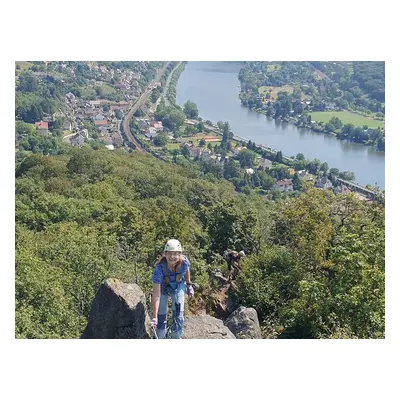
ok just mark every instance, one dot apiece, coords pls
pixel 315 266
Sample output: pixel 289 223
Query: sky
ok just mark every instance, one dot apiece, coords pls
pixel 206 30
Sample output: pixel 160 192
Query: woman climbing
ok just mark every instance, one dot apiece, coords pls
pixel 171 277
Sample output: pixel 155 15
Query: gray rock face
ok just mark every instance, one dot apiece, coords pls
pixel 118 312
pixel 244 324
pixel 216 277
pixel 224 303
pixel 205 327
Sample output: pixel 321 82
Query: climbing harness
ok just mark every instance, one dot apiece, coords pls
pixel 167 282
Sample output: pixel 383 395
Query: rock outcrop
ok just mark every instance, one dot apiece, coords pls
pixel 118 312
pixel 216 277
pixel 243 323
pixel 224 302
pixel 205 327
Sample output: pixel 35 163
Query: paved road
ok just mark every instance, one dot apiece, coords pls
pixel 164 93
pixel 139 102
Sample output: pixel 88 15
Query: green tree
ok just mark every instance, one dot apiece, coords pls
pixel 190 109
pixel 324 167
pixel 200 126
pixel 161 140
pixel 278 157
pixel 347 176
pixel 231 228
pixel 296 182
pixel 246 158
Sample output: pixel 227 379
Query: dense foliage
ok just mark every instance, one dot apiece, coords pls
pixel 315 265
pixel 294 89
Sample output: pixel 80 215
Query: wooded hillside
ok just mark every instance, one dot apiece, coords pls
pixel 315 265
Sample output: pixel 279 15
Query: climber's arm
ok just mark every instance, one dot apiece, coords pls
pixel 187 276
pixel 155 299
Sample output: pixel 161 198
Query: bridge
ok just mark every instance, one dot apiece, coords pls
pixel 358 188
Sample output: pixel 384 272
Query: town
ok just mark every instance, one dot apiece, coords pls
pixel 114 93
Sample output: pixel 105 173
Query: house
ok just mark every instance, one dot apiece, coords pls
pixel 190 122
pixel 185 144
pixel 95 103
pixel 265 163
pixel 110 146
pixel 341 189
pixel 123 104
pixel 285 185
pixel 77 140
pixel 103 130
pixel 142 124
pixel 84 133
pixel 120 86
pixel 70 97
pixel 151 135
pixel 237 150
pixel 249 171
pixel 206 153
pixel 99 117
pixel 42 127
pixel 116 139
pixel 67 126
pixel 323 183
pixel 103 122
pixel 210 138
pixel 90 112
pixel 194 151
pixel 157 125
pixel 291 171
pixel 304 174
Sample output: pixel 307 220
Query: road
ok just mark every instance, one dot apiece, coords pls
pixel 164 93
pixel 139 102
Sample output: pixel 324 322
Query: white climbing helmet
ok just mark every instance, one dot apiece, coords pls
pixel 242 253
pixel 173 245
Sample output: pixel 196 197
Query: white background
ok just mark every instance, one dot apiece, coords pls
pixel 198 30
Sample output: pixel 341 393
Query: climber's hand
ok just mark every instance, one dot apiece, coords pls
pixel 190 291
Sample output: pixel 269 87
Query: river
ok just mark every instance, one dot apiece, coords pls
pixel 214 87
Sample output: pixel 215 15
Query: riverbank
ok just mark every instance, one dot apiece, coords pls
pixel 213 86
pixel 319 126
pixel 292 91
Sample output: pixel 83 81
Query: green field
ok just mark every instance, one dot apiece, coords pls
pixel 347 118
pixel 172 146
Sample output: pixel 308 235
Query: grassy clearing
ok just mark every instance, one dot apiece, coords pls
pixel 172 146
pixel 107 89
pixel 273 67
pixel 347 118
pixel 273 90
pixel 23 65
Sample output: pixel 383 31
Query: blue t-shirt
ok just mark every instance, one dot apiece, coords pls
pixel 158 275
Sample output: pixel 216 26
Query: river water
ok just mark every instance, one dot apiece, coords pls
pixel 214 87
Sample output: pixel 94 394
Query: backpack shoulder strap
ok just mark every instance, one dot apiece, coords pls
pixel 165 272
